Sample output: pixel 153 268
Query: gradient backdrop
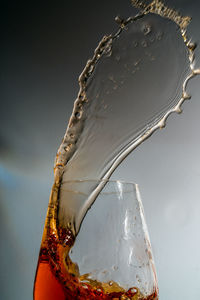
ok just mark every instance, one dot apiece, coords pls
pixel 44 47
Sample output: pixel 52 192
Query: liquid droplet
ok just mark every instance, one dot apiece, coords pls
pixel 146 29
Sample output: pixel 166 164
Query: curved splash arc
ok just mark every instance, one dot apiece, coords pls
pixel 69 146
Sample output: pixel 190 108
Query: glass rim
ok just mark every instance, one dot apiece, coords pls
pixel 100 180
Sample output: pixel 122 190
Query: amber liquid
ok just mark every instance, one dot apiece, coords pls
pixel 58 278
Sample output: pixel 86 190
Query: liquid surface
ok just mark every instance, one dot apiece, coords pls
pixel 136 78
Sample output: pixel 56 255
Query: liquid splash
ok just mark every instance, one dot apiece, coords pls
pixel 135 80
pixel 137 77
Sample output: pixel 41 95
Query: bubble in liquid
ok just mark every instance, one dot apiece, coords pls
pixel 146 29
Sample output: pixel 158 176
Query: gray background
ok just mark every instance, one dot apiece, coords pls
pixel 44 48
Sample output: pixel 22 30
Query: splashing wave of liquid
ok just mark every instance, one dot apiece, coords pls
pixel 136 78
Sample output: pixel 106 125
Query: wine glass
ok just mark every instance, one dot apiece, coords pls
pixel 110 256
